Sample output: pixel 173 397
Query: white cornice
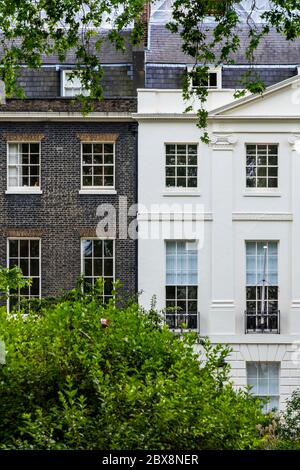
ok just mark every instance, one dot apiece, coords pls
pixel 252 118
pixel 254 339
pixel 64 116
pixel 193 117
pixel 174 216
pixel 165 116
pixel 262 216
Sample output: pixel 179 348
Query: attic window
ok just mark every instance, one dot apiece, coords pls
pixel 218 7
pixel 71 86
pixel 213 80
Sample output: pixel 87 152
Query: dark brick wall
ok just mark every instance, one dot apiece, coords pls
pixel 171 77
pixel 117 81
pixel 60 212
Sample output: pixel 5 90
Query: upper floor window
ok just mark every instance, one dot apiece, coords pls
pixel 263 377
pixel 262 166
pixel 25 253
pixel 212 80
pixel 72 86
pixel 181 165
pixel 98 261
pixel 98 165
pixel 181 284
pixel 23 166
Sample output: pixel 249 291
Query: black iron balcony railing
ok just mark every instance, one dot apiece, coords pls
pixel 182 321
pixel 266 323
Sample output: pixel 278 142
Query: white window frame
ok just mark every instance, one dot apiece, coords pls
pixel 277 396
pixel 216 70
pixel 262 189
pixel 182 285
pixel 40 262
pixel 82 239
pixel 98 189
pixel 23 189
pixel 64 85
pixel 265 242
pixel 176 188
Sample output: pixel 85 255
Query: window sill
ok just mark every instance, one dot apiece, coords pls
pixel 262 193
pixel 24 191
pixel 97 191
pixel 181 193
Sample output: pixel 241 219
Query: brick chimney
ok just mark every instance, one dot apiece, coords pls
pixel 138 53
pixel 145 19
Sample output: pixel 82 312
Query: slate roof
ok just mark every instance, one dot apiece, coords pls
pixel 165 47
pixel 107 55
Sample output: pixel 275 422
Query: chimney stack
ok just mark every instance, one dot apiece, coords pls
pixel 145 19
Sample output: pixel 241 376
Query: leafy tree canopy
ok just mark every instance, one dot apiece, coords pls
pixel 33 28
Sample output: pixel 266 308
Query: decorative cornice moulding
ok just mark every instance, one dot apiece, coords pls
pixel 223 141
pixel 294 141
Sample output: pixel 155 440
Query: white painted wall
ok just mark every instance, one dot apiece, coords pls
pixel 226 215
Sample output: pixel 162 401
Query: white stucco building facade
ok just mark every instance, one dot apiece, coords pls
pixel 203 231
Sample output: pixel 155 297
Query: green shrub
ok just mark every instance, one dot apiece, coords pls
pixel 73 382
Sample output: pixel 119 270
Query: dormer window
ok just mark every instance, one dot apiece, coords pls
pixel 213 80
pixel 71 86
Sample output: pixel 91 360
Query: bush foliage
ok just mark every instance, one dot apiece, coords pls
pixel 83 375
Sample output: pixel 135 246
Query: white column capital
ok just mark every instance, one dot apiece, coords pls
pixel 223 141
pixel 294 141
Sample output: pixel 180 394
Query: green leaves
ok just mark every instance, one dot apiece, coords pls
pixel 11 280
pixel 31 30
pixel 216 44
pixel 69 383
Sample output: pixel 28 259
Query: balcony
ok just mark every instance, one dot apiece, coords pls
pixel 183 322
pixel 266 323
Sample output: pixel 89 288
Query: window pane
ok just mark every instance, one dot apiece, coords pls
pixel 13 248
pixel 88 267
pixel 35 287
pixel 108 248
pixel 98 159
pixel 170 292
pixel 98 248
pixel 213 79
pixel 108 148
pixel 98 267
pixel 24 248
pixel 87 159
pixel 34 267
pixel 170 149
pixel 87 248
pixel 108 267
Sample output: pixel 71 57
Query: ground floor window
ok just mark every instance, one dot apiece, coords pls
pixel 98 261
pixel 25 253
pixel 263 377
